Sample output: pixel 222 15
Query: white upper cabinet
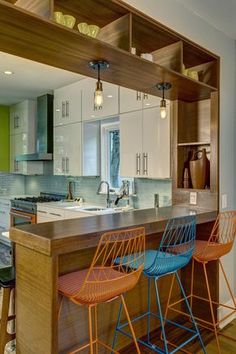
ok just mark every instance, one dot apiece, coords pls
pixel 67 150
pixel 22 117
pixel 131 100
pixel 156 144
pixel 131 144
pixel 22 138
pixel 145 144
pixel 76 149
pixel 67 104
pixel 150 101
pixel 110 100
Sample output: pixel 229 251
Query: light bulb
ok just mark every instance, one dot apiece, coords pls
pixel 163 109
pixel 98 96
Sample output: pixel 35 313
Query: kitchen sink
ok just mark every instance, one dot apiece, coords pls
pixel 94 209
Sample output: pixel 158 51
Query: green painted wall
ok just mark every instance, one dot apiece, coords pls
pixel 4 139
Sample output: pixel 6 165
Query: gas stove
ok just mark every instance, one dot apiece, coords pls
pixel 29 204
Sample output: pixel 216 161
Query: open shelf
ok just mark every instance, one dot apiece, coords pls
pixel 53 44
pixel 124 27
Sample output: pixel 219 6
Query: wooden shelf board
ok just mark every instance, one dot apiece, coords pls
pixel 194 143
pixel 55 45
pixel 101 11
pixel 194 189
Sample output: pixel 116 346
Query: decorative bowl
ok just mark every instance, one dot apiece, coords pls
pixel 59 17
pixel 83 27
pixel 93 31
pixel 69 21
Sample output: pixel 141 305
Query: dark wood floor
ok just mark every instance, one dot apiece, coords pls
pixel 227 346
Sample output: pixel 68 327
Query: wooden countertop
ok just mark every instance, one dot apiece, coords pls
pixel 60 237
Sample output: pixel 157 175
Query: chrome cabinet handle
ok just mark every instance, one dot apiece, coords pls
pixel 55 214
pixel 16 166
pixel 138 96
pixel 67 164
pixel 145 163
pixel 41 211
pixel 67 108
pixel 63 164
pixel 145 96
pixel 63 110
pixel 138 157
pixel 16 122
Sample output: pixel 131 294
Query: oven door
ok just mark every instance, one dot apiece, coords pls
pixel 21 218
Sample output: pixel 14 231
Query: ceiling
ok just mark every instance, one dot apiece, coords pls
pixel 30 79
pixel 219 13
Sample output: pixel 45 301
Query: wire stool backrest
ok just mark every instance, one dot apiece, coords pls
pixel 224 229
pixel 105 273
pixel 178 240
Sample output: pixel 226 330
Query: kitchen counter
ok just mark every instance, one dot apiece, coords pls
pixel 45 251
pixel 77 234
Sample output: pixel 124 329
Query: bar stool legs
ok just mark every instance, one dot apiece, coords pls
pixel 5 337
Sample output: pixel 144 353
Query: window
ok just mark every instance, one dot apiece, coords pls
pixel 110 153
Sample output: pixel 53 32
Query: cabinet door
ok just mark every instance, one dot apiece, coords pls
pixel 110 100
pixel 23 118
pixel 76 214
pixel 156 144
pixel 150 101
pixel 59 151
pixel 130 100
pixel 67 104
pixel 131 144
pixel 72 138
pixel 67 150
pixel 91 148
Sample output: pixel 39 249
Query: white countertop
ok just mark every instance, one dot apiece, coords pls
pixel 75 207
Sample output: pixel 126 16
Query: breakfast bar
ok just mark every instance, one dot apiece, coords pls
pixel 45 251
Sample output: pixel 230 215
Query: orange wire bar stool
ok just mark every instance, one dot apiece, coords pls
pixel 106 280
pixel 219 244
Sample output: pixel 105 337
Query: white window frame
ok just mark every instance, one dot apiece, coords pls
pixel 105 153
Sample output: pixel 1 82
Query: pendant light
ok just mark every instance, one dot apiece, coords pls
pixel 98 65
pixel 163 109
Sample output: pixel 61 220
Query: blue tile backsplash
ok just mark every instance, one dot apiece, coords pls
pixel 11 184
pixel 86 187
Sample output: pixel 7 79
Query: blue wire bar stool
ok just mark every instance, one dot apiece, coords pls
pixel 175 252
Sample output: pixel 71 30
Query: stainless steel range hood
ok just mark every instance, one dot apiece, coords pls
pixel 44 134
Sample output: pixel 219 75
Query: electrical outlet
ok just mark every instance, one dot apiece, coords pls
pixel 224 201
pixel 193 198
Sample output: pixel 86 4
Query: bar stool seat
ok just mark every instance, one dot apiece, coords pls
pixel 72 284
pixel 206 252
pixel 7 282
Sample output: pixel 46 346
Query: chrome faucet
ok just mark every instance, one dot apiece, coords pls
pixel 109 201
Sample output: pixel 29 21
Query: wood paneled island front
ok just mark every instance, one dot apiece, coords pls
pixel 45 251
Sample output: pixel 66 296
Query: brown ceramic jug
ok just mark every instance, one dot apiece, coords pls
pixel 199 170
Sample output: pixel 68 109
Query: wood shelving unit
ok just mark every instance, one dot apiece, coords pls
pixel 122 27
pixel 194 103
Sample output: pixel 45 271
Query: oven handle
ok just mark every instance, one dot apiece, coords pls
pixel 21 215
